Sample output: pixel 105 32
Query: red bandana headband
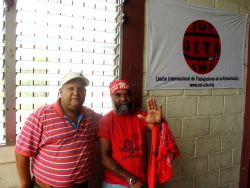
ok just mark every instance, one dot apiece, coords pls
pixel 117 85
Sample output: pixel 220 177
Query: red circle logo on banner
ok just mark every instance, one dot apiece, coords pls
pixel 201 46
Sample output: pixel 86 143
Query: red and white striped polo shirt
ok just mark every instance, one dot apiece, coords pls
pixel 62 156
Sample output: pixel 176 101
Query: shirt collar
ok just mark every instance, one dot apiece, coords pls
pixel 58 108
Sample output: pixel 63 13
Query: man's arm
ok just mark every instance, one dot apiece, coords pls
pixel 113 166
pixel 23 169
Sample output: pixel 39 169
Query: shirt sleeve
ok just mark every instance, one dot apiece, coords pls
pixel 29 139
pixel 104 128
pixel 98 117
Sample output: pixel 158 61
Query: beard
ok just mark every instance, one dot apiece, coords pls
pixel 123 108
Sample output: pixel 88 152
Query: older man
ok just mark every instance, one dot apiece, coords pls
pixel 123 139
pixel 60 139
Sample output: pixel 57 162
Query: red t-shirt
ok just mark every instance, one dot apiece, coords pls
pixel 128 137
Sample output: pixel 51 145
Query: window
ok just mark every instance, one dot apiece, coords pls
pixel 52 37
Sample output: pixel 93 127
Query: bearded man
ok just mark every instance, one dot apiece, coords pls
pixel 122 136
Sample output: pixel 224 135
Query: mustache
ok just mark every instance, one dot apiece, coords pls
pixel 75 98
pixel 123 108
pixel 124 103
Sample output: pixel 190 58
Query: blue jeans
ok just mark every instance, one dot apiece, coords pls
pixel 109 185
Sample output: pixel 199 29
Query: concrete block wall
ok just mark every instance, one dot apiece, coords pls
pixel 207 125
pixel 208 134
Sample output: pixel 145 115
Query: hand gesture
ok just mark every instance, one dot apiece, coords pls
pixel 154 115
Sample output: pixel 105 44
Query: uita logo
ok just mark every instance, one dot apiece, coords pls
pixel 201 46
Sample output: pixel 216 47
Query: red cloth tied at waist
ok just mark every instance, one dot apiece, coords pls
pixel 163 151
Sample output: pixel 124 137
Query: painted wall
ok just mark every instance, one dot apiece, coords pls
pixel 207 125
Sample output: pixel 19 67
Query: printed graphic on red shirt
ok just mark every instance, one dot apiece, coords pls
pixel 130 149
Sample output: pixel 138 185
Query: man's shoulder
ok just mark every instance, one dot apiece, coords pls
pixel 42 112
pixel 140 111
pixel 43 109
pixel 107 116
pixel 90 112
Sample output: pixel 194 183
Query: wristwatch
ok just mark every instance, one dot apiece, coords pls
pixel 132 180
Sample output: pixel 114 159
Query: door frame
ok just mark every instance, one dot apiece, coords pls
pixel 245 152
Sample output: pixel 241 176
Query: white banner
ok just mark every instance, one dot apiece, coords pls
pixel 192 47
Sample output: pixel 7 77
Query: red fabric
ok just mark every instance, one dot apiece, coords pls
pixel 117 85
pixel 163 151
pixel 128 137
